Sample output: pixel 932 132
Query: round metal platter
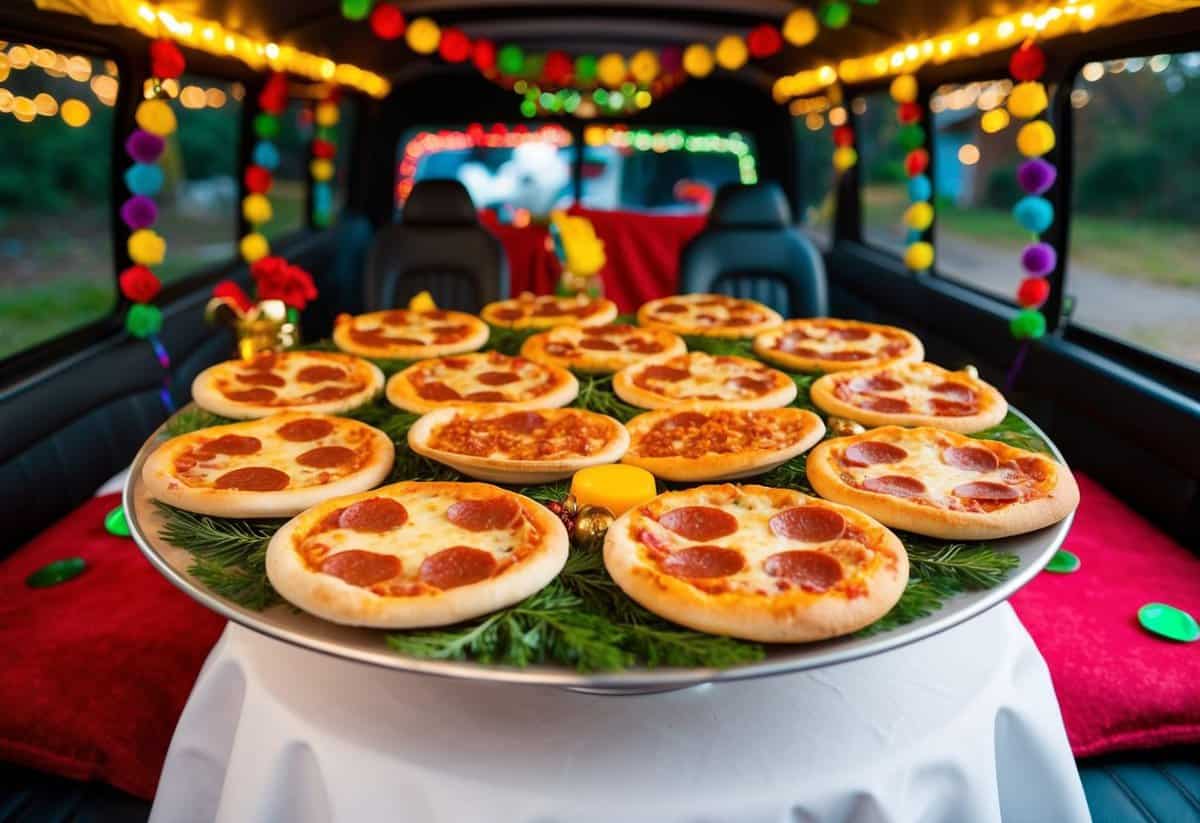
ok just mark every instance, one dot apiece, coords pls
pixel 285 623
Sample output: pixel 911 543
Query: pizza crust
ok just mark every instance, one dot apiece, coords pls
pixel 473 341
pixel 207 395
pixel 713 466
pixel 764 346
pixel 162 483
pixel 825 477
pixel 507 470
pixel 649 317
pixel 337 601
pixel 599 362
pixel 794 616
pixel 493 313
pixel 992 405
pixel 625 388
pixel 402 394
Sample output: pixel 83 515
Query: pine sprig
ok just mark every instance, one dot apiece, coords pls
pixel 193 419
pixel 921 598
pixel 790 475
pixel 596 394
pixel 508 341
pixel 247 588
pixel 1014 431
pixel 804 392
pixel 962 566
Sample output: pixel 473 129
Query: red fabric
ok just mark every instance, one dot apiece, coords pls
pixel 532 265
pixel 97 669
pixel 1119 686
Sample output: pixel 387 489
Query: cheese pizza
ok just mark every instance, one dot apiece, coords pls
pixel 942 484
pixel 404 334
pixel 416 554
pixel 311 381
pixel 505 446
pixel 703 442
pixel 489 377
pixel 271 467
pixel 759 563
pixel 711 315
pixel 911 394
pixel 598 349
pixel 825 344
pixel 530 312
pixel 659 382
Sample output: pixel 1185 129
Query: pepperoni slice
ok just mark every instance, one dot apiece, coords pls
pixel 955 391
pixel 986 491
pixel 703 561
pixel 326 457
pixel 484 515
pixel 304 430
pixel 498 378
pixel 643 345
pixel 456 363
pixel 457 566
pixel 437 391
pixel 699 522
pixel 486 397
pixel 739 321
pixel 320 374
pixel 508 315
pixel 886 405
pixel 264 361
pixel 811 571
pixel 847 355
pixel 950 408
pixel 875 383
pixel 750 385
pixel 671 308
pixel 251 396
pixel 360 568
pixel 261 378
pixel 253 479
pixel 970 458
pixel 398 317
pixel 897 485
pixel 550 310
pixel 848 334
pixel 668 374
pixel 810 524
pixel 231 444
pixel 436 314
pixel 598 344
pixel 870 452
pixel 329 393
pixel 1033 467
pixel 521 421
pixel 556 348
pixel 683 420
pixel 375 514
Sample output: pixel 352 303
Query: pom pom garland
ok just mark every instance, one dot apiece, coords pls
pixel 146 247
pixel 916 162
pixel 556 71
pixel 1029 324
pixel 843 136
pixel 254 247
pixel 265 155
pixel 356 9
pixel 731 52
pixel 138 284
pixel 321 170
pixel 454 46
pixel 834 13
pixel 800 27
pixel 145 179
pixel 844 158
pixel 257 179
pixel 919 216
pixel 764 41
pixel 994 121
pixel 166 60
pixel 139 212
pixel 911 136
pixel 1027 100
pixel 511 59
pixel 327 114
pixel 670 59
pixel 423 35
pixel 918 256
pixel 156 117
pixel 904 89
pixel 1033 292
pixel 610 70
pixel 1034 214
pixel 256 208
pixel 1028 63
pixel 643 66
pixel 698 60
pixel 324 149
pixel 908 113
pixel 144 147
pixel 919 188
pixel 1039 259
pixel 143 320
pixel 483 55
pixel 1035 138
pixel 266 126
pixel 387 21
pixel 1036 176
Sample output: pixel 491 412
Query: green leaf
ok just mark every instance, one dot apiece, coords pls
pixel 193 419
pixel 1014 431
pixel 508 341
pixel 720 345
pixel 596 394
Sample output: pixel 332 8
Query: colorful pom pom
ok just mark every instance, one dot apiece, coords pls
pixel 266 126
pixel 254 247
pixel 731 52
pixel 266 155
pixel 698 60
pixel 387 21
pixel 764 41
pixel 1039 259
pixel 166 60
pixel 800 27
pixel 145 179
pixel 324 149
pixel 1033 292
pixel 1034 214
pixel 916 162
pixel 919 216
pixel 919 256
pixel 1029 324
pixel 327 114
pixel 920 188
pixel 321 170
pixel 670 59
pixel 147 247
pixel 139 284
pixel 1036 176
pixel 908 113
pixel 643 66
pixel 322 194
pixel 139 212
pixel 843 136
pixel 911 136
pixel 834 13
pixel 143 320
pixel 256 208
pixel 1035 139
pixel 844 158
pixel 257 179
pixel 1027 100
pixel 423 35
pixel 144 147
pixel 356 9
pixel 904 89
pixel 483 55
pixel 510 59
pixel 156 117
pixel 1027 63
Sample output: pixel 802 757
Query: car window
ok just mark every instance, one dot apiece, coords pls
pixel 814 167
pixel 289 191
pixel 882 180
pixel 56 150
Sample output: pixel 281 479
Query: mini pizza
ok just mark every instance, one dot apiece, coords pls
pixel 416 554
pixel 489 377
pixel 660 382
pixel 759 563
pixel 505 446
pixel 710 315
pixel 824 344
pixel 310 381
pixel 403 334
pixel 530 312
pixel 704 442
pixel 943 484
pixel 911 394
pixel 271 467
pixel 599 349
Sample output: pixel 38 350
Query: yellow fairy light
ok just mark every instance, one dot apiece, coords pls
pixel 24 109
pixel 837 116
pixel 423 35
pixel 192 97
pixel 994 121
pixel 800 27
pixel 731 52
pixel 610 69
pixel 968 154
pixel 75 113
pixel 215 98
pixel 19 57
pixel 46 105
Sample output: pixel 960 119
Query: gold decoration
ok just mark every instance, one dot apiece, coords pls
pixel 570 505
pixel 841 427
pixel 591 525
pixel 265 327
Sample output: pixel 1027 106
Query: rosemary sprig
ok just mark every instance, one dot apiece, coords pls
pixel 193 419
pixel 247 588
pixel 596 394
pixel 958 566
pixel 1015 432
pixel 804 392
pixel 921 598
pixel 508 341
pixel 790 475
pixel 546 492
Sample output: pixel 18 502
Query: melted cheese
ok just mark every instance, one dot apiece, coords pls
pixel 411 328
pixel 917 381
pixel 698 313
pixel 710 378
pixel 823 338
pixel 462 374
pixel 236 377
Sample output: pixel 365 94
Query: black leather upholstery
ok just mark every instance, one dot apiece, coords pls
pixel 27 796
pixel 750 249
pixel 1154 788
pixel 440 247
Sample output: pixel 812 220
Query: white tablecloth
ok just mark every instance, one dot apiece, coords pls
pixel 962 728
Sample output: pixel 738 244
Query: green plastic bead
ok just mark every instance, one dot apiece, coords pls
pixel 60 571
pixel 834 13
pixel 356 9
pixel 266 126
pixel 1169 622
pixel 143 320
pixel 116 523
pixel 1029 324
pixel 912 136
pixel 1063 562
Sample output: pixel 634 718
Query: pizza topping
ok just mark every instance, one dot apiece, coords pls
pixel 497 378
pixel 700 522
pixel 874 383
pixel 667 374
pixel 955 391
pixel 361 568
pixel 485 514
pixel 525 435
pixel 320 374
pixel 871 452
pixel 253 479
pixel 847 355
pixel 521 421
pixel 848 333
pixel 486 397
pixel 437 391
pixel 457 566
pixel 229 444
pixel 986 491
pixel 375 514
pixel 950 408
pixel 305 430
pixel 261 378
pixel 692 434
pixel 897 485
pixel 643 345
pixel 259 395
pixel 555 348
pixel 751 385
pixel 887 405
pixel 809 524
pixel 671 308
pixel 812 571
pixel 327 457
pixel 703 561
pixel 508 315
pixel 598 344
pixel 970 458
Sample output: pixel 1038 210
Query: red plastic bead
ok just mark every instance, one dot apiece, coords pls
pixel 258 180
pixel 455 47
pixel 843 136
pixel 1028 63
pixel 166 60
pixel 387 21
pixel 764 41
pixel 909 113
pixel 483 54
pixel 1033 292
pixel 916 162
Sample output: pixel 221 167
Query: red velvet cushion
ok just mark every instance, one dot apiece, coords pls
pixel 96 670
pixel 1119 686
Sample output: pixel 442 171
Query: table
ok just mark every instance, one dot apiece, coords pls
pixel 962 726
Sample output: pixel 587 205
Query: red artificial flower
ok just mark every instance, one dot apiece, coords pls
pixel 323 149
pixel 232 291
pixel 258 180
pixel 276 279
pixel 139 284
pixel 166 60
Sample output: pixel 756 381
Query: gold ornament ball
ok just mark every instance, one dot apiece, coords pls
pixel 800 27
pixel 591 525
pixel 842 427
pixel 698 60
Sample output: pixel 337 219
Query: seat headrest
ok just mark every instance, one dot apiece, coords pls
pixel 439 203
pixel 761 206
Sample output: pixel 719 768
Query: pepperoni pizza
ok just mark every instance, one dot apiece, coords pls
pixel 416 554
pixel 943 484
pixel 825 344
pixel 707 441
pixel 765 564
pixel 271 467
pixel 530 312
pixel 595 349
pixel 660 382
pixel 505 446
pixel 311 381
pixel 911 394
pixel 488 377
pixel 404 334
pixel 710 315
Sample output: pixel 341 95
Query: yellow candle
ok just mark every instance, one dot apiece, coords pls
pixel 616 487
